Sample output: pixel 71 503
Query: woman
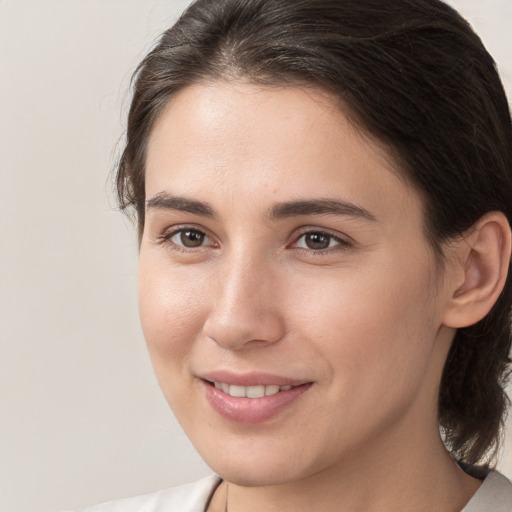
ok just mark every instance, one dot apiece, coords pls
pixel 323 190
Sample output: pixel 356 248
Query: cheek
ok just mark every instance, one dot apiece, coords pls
pixel 171 310
pixel 376 328
pixel 171 305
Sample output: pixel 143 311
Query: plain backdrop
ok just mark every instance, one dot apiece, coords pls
pixel 81 416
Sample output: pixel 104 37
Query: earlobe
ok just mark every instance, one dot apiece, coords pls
pixel 482 260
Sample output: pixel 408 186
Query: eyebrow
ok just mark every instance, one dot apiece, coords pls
pixel 164 201
pixel 319 207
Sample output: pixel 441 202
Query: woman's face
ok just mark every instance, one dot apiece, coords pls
pixel 281 249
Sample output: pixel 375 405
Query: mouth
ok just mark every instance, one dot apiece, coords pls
pixel 254 403
pixel 250 391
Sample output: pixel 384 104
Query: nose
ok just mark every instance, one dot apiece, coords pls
pixel 245 310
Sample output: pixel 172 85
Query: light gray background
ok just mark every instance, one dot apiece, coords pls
pixel 81 416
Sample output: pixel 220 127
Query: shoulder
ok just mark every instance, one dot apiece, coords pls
pixel 191 497
pixel 495 494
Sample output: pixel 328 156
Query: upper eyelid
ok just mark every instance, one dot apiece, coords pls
pixel 325 231
pixel 166 234
pixel 172 230
pixel 339 242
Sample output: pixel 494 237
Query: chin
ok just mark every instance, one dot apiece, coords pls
pixel 249 475
pixel 250 463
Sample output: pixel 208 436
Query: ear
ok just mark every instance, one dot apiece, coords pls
pixel 478 270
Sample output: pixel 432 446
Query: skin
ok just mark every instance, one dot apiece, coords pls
pixel 363 319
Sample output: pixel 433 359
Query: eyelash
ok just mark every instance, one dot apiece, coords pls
pixel 166 238
pixel 341 244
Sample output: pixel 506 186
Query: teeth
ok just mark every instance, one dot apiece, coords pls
pixel 238 391
pixel 255 391
pixel 271 390
pixel 250 391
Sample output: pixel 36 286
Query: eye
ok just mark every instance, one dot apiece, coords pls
pixel 319 241
pixel 187 238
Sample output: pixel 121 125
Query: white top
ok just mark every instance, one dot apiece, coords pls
pixel 184 498
pixel 494 495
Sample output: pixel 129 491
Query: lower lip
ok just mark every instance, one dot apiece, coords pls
pixel 251 410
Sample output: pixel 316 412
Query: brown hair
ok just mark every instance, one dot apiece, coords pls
pixel 415 76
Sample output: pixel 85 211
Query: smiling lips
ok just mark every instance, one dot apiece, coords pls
pixel 253 403
pixel 250 391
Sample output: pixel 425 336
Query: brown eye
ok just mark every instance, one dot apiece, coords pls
pixel 317 241
pixel 190 238
pixel 320 241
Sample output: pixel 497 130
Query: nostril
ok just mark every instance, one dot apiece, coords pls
pixel 238 332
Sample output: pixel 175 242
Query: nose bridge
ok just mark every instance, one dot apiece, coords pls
pixel 244 308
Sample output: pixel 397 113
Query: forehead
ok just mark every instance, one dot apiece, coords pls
pixel 246 141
